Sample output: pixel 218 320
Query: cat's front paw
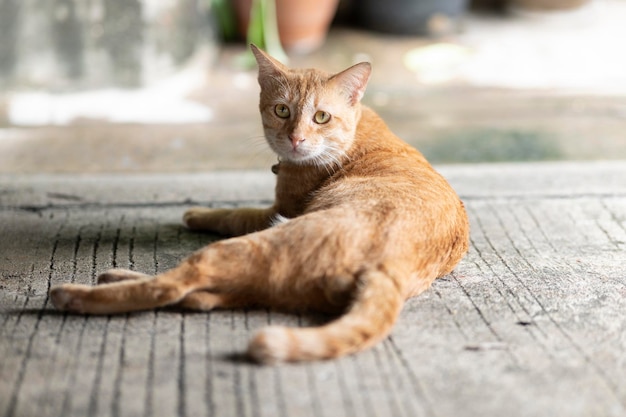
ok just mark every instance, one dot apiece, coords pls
pixel 195 218
pixel 208 219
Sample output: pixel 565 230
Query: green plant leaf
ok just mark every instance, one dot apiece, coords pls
pixel 263 32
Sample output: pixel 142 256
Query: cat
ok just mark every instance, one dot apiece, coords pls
pixel 361 222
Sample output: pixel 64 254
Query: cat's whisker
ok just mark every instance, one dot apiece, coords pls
pixel 256 140
pixel 258 144
pixel 260 159
pixel 321 162
pixel 332 156
pixel 325 160
pixel 259 148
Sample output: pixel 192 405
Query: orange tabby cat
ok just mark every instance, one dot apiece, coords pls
pixel 361 222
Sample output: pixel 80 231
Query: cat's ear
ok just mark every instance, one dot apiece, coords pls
pixel 269 68
pixel 353 81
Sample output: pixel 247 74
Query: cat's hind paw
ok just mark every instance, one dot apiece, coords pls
pixel 66 298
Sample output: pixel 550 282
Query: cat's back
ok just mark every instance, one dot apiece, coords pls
pixel 388 187
pixel 388 192
pixel 383 162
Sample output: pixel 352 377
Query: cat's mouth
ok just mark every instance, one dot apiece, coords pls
pixel 298 155
pixel 301 154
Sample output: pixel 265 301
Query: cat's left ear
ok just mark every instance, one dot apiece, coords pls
pixel 353 81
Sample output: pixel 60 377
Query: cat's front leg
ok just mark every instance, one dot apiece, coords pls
pixel 229 222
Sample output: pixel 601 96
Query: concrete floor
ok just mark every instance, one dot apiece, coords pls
pixel 531 323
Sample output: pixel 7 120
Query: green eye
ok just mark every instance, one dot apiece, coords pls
pixel 321 117
pixel 282 111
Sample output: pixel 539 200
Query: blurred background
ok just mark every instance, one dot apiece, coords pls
pixel 168 85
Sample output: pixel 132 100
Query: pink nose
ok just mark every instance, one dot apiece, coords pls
pixel 296 140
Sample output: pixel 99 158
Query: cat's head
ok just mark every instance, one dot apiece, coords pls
pixel 309 116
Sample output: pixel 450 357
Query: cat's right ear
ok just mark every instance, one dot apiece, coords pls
pixel 269 68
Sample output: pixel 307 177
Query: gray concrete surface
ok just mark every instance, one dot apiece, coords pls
pixel 531 323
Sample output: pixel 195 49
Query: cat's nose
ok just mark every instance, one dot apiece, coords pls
pixel 296 140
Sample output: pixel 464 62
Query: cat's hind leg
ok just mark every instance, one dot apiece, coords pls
pixel 224 267
pixel 207 301
pixel 118 275
pixel 128 291
pixel 197 300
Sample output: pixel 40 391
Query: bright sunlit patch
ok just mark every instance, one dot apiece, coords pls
pixel 163 102
pixel 437 63
pixel 117 106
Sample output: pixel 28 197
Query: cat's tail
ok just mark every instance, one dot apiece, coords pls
pixel 376 305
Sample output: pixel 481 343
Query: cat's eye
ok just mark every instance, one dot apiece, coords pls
pixel 321 117
pixel 282 111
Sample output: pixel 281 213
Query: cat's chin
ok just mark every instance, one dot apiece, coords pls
pixel 297 156
pixel 300 158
